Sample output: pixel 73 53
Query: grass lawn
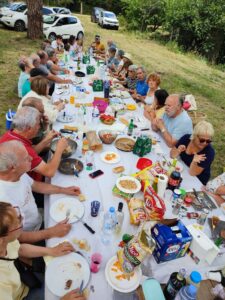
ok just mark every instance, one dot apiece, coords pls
pixel 181 73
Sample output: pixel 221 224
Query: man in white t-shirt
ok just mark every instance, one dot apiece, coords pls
pixel 57 44
pixel 16 188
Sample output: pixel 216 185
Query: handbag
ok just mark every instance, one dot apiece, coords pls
pixel 27 275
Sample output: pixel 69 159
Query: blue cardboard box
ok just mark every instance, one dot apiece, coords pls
pixel 172 241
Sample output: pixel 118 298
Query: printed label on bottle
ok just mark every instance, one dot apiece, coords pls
pixel 171 290
pixel 174 182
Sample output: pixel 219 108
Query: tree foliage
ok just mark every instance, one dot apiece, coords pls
pixel 196 25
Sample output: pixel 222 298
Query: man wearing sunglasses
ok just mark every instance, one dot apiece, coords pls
pixel 16 188
pixel 196 151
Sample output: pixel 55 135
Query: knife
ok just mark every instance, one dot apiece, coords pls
pixel 81 287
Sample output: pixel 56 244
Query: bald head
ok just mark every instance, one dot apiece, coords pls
pixel 173 105
pixel 34 102
pixel 10 154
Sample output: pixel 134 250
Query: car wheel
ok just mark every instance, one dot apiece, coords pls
pixel 52 36
pixel 117 28
pixel 80 35
pixel 19 26
pixel 102 25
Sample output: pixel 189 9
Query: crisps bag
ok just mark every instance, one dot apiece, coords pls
pixel 154 205
pixel 137 211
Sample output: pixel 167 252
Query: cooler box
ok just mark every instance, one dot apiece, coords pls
pixel 202 248
pixel 171 241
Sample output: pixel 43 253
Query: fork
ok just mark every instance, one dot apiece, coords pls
pixel 68 212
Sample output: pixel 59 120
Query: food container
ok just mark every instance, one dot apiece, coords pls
pixel 72 146
pixel 107 136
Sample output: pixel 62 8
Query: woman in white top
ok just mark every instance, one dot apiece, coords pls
pixel 153 82
pixel 40 89
pixel 216 188
pixel 11 225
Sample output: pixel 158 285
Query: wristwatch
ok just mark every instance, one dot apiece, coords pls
pixel 163 130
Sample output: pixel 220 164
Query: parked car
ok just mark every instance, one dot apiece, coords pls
pixel 108 19
pixel 95 14
pixel 64 25
pixel 16 17
pixel 5 8
pixel 62 10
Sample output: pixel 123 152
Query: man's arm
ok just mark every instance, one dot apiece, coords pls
pixel 57 79
pixel 49 189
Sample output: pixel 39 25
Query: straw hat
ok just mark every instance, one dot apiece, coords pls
pixel 127 55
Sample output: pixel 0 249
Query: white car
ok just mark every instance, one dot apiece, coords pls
pixel 62 10
pixel 64 25
pixel 108 19
pixel 16 17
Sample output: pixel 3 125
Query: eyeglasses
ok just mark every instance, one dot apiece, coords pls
pixel 202 141
pixel 20 219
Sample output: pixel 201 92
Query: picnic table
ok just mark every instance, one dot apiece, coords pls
pixel 101 189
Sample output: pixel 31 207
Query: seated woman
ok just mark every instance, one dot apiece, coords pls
pixel 157 109
pixel 196 151
pixel 40 89
pixel 216 188
pixel 153 82
pixel 11 287
pixel 123 72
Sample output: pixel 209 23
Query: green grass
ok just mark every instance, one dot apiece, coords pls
pixel 181 73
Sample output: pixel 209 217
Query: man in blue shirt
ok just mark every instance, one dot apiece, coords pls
pixel 141 85
pixel 175 122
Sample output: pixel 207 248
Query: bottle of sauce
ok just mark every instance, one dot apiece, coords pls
pixel 85 146
pixel 120 217
pixel 176 282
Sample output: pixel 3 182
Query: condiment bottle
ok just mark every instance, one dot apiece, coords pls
pixel 176 282
pixel 130 127
pixel 85 146
pixel 194 279
pixel 120 217
pixel 174 180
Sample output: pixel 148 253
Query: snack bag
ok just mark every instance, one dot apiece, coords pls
pixel 135 251
pixel 137 211
pixel 154 205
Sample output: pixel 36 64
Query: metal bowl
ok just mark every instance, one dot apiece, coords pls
pixel 107 136
pixel 72 145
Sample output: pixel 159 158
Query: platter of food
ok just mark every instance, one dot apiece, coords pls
pixel 128 184
pixel 66 273
pixel 107 119
pixel 67 208
pixel 110 157
pixel 107 136
pixel 70 149
pixel 66 166
pixel 125 144
pixel 118 280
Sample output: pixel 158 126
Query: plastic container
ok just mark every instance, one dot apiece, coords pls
pixel 9 117
pixel 109 224
pixel 188 292
pixel 152 290
pixel 194 279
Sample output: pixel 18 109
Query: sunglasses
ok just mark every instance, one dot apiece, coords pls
pixel 207 141
pixel 20 219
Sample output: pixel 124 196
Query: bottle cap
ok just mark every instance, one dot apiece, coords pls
pixel 192 290
pixel 182 272
pixel 120 206
pixel 195 277
pixel 112 209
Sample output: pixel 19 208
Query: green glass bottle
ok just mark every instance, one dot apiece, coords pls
pixel 130 127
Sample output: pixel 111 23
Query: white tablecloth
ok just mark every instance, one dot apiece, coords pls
pixel 101 189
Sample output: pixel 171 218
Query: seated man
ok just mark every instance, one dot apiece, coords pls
pixel 26 88
pixel 175 122
pixel 44 67
pixel 141 85
pixel 52 62
pixel 131 80
pixel 26 124
pixel 25 65
pixel 58 44
pixel 112 62
pixel 97 46
pixel 16 188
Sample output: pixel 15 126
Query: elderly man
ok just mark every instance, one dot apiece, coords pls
pixel 16 188
pixel 43 65
pixel 52 62
pixel 141 85
pixel 97 46
pixel 26 126
pixel 175 122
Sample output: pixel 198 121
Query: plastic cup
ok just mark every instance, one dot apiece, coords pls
pixel 96 260
pixel 95 205
pixel 72 99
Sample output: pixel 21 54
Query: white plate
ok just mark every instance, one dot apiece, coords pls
pixel 122 285
pixel 128 191
pixel 66 119
pixel 72 266
pixel 59 208
pixel 112 161
pixel 77 81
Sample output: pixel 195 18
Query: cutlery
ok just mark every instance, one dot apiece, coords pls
pixel 167 162
pixel 85 225
pixel 81 287
pixel 76 171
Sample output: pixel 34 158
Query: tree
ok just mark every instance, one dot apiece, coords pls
pixel 35 21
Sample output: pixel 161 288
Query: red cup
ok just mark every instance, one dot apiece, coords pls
pixel 96 260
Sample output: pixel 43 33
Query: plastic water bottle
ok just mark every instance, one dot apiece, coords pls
pixel 91 51
pixel 188 292
pixel 109 224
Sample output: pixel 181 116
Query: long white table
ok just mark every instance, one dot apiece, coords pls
pixel 101 189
